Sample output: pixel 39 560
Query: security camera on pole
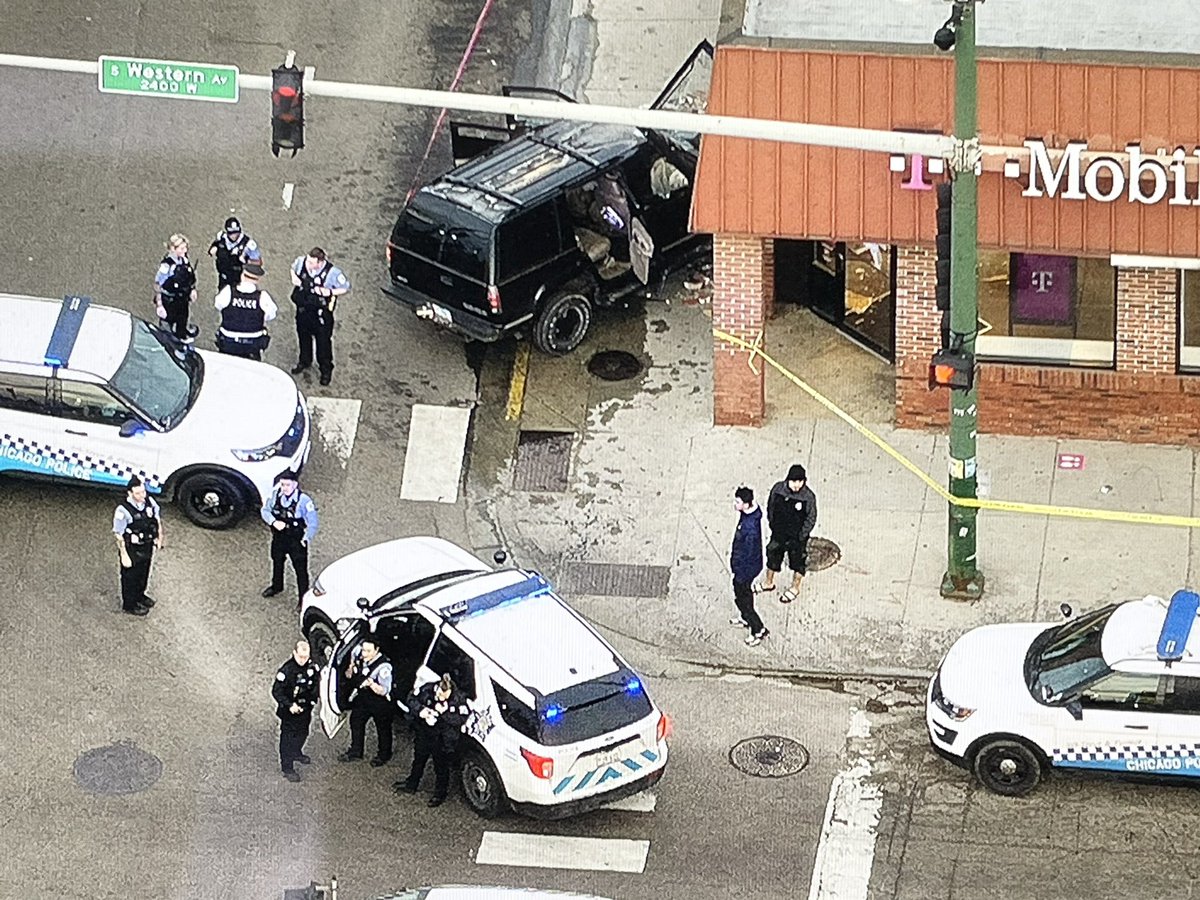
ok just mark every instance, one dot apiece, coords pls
pixel 954 365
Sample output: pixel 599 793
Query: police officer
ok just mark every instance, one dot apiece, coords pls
pixel 370 677
pixel 245 310
pixel 441 713
pixel 317 285
pixel 138 529
pixel 175 288
pixel 292 517
pixel 295 692
pixel 232 248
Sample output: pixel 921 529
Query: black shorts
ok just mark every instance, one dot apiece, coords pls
pixel 795 549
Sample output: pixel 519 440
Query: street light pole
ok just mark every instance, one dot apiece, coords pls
pixel 963 580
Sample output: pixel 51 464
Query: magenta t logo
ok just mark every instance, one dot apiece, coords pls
pixel 917 167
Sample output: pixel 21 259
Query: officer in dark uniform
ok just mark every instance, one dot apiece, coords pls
pixel 441 712
pixel 232 248
pixel 292 517
pixel 317 285
pixel 138 529
pixel 175 288
pixel 245 310
pixel 370 677
pixel 295 692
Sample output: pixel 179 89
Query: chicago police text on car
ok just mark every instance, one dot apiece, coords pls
pixel 560 723
pixel 92 395
pixel 1116 690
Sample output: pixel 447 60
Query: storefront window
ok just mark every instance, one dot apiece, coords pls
pixel 1189 321
pixel 869 302
pixel 1047 309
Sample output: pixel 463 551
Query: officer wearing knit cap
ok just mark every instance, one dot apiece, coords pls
pixel 292 517
pixel 791 515
pixel 232 248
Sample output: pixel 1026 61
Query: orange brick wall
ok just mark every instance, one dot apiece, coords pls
pixel 741 290
pixel 1143 401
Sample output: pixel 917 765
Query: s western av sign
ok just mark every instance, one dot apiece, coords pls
pixel 160 78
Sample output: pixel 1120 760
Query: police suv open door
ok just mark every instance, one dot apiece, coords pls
pixel 335 691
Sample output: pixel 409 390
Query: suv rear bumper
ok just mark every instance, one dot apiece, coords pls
pixel 586 804
pixel 463 323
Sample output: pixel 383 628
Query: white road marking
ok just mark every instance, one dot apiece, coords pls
pixel 335 420
pixel 642 803
pixel 437 441
pixel 288 190
pixel 310 72
pixel 556 852
pixel 847 847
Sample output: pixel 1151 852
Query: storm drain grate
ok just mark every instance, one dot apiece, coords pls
pixel 119 768
pixel 822 553
pixel 543 460
pixel 614 579
pixel 769 756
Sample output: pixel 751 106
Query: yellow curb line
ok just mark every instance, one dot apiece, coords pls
pixel 1038 509
pixel 516 384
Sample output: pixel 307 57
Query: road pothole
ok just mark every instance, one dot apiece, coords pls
pixel 769 756
pixel 120 768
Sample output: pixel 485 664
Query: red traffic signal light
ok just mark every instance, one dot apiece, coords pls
pixel 952 369
pixel 287 109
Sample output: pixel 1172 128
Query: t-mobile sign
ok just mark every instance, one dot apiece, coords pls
pixel 1043 289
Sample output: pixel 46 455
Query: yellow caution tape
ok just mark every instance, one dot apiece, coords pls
pixel 1036 509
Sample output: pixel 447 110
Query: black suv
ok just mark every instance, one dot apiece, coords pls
pixel 565 216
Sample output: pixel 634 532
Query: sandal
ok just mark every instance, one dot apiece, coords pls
pixel 760 588
pixel 788 596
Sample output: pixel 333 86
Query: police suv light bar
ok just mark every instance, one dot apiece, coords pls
pixel 1177 626
pixel 66 330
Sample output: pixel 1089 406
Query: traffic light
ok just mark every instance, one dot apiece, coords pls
pixel 941 288
pixel 287 109
pixel 953 369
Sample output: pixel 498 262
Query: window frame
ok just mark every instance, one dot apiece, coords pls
pixel 471 691
pixel 67 413
pixel 47 394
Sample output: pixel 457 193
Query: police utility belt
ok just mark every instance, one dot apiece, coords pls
pixel 258 340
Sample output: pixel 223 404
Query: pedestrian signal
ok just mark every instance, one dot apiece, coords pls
pixel 287 109
pixel 952 369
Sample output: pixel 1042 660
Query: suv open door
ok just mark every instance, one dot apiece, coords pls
pixel 686 91
pixel 335 694
pixel 469 139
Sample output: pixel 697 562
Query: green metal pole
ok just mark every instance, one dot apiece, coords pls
pixel 963 580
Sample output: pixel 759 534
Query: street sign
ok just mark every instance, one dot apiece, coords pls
pixel 160 78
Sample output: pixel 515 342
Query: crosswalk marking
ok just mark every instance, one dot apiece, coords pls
pixel 555 852
pixel 641 803
pixel 335 421
pixel 437 441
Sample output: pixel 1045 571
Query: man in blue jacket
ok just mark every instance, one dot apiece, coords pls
pixel 746 561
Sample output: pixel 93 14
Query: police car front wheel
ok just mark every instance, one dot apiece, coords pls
pixel 1007 767
pixel 481 785
pixel 211 499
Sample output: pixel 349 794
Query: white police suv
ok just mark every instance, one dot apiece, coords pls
pixel 92 395
pixel 560 723
pixel 1116 690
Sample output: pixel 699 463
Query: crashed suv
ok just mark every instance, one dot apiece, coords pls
pixel 547 225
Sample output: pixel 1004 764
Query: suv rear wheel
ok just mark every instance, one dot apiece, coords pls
pixel 563 322
pixel 481 785
pixel 211 499
pixel 1007 767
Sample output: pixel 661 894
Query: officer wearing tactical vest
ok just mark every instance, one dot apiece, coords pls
pixel 370 679
pixel 138 529
pixel 175 288
pixel 317 285
pixel 232 248
pixel 294 692
pixel 292 516
pixel 245 310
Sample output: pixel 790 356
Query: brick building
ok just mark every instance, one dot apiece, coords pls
pixel 1089 277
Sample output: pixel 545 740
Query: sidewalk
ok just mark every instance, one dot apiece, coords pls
pixel 651 479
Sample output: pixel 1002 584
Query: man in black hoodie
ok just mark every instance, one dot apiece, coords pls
pixel 791 515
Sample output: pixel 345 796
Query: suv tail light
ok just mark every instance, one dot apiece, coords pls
pixel 540 766
pixel 494 301
pixel 664 726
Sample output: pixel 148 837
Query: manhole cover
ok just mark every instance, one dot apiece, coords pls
pixel 119 768
pixel 543 461
pixel 769 756
pixel 822 553
pixel 614 365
